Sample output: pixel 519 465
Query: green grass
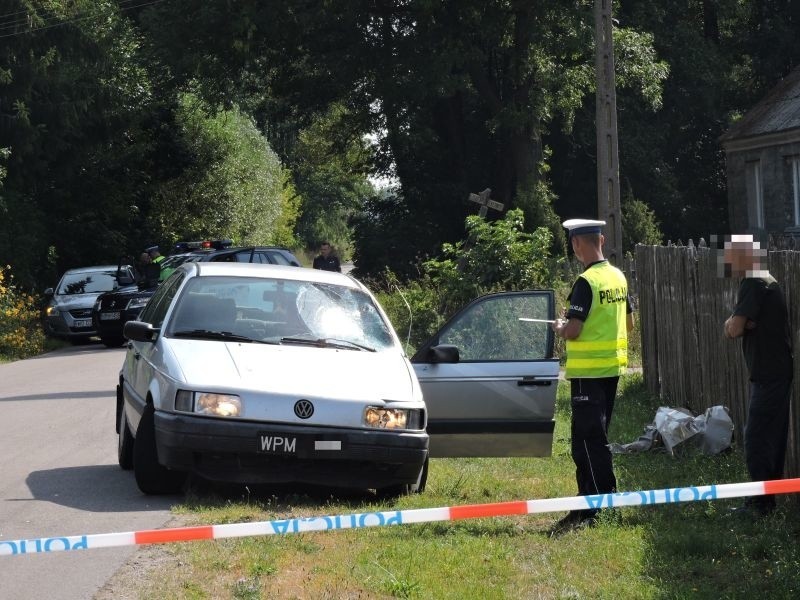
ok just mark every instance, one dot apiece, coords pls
pixel 688 550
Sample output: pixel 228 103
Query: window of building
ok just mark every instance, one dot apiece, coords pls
pixel 794 163
pixel 755 194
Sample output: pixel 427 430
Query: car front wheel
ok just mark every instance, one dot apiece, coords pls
pixel 407 488
pixel 125 443
pixel 151 476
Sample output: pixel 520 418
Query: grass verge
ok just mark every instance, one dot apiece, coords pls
pixel 690 550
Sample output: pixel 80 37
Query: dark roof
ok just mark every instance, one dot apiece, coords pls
pixel 778 111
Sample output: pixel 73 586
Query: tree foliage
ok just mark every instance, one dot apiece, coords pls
pixel 498 256
pixel 232 188
pixel 457 95
pixel 104 155
pixel 639 225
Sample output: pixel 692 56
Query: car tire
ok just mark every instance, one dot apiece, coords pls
pixel 125 442
pixel 152 477
pixel 394 491
pixel 112 341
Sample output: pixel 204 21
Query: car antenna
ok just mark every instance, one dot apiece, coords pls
pixel 410 316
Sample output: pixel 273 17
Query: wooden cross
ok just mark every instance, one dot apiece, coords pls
pixel 485 202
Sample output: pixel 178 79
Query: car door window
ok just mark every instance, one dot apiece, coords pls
pixel 491 329
pixel 248 256
pixel 157 307
pixel 276 258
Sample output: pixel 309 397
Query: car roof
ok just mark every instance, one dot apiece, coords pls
pixel 204 252
pixel 205 269
pixel 97 268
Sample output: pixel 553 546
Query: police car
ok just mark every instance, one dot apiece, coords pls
pixel 247 374
pixel 112 310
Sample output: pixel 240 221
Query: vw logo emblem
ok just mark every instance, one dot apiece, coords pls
pixel 303 409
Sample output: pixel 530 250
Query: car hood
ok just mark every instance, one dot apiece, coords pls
pixel 289 369
pixel 74 301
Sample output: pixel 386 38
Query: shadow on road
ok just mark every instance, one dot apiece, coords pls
pixel 100 488
pixel 91 347
pixel 62 395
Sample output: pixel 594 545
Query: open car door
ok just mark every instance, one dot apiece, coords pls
pixel 489 378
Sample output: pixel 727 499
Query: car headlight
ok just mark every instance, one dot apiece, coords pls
pixel 393 418
pixel 51 311
pixel 96 305
pixel 208 403
pixel 138 302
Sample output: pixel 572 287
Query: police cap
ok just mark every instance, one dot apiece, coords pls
pixel 151 249
pixel 583 226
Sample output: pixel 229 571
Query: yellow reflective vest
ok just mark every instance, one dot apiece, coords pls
pixel 601 349
pixel 157 261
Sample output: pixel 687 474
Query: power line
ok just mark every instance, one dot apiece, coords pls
pixel 14 24
pixel 41 14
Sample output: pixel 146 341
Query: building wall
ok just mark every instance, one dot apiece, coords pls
pixel 776 185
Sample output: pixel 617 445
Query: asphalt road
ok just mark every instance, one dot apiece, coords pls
pixel 59 473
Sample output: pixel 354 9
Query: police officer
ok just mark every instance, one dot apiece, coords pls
pixel 595 328
pixel 154 273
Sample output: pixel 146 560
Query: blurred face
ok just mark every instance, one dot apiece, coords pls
pixel 145 258
pixel 325 249
pixel 743 256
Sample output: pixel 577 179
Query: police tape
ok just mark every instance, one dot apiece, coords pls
pixel 399 517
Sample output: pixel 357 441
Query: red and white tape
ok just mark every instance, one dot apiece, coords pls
pixel 399 517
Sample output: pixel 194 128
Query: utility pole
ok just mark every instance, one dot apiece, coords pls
pixel 608 205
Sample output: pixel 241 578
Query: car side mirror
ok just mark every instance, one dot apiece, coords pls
pixel 443 353
pixel 49 292
pixel 139 331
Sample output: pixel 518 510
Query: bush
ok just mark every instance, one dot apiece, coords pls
pixel 20 333
pixel 497 256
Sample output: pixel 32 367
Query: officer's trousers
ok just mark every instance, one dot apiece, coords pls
pixel 592 406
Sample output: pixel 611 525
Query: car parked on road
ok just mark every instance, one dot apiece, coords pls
pixel 271 374
pixel 67 313
pixel 112 310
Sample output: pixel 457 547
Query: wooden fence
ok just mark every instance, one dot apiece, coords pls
pixel 686 358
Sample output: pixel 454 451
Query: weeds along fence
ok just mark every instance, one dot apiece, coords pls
pixel 686 358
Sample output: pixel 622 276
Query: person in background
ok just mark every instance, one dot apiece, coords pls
pixel 327 260
pixel 761 320
pixel 154 272
pixel 596 332
pixel 142 269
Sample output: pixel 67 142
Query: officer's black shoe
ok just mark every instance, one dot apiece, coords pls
pixel 575 519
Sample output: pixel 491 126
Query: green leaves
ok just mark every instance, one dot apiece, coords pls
pixel 232 188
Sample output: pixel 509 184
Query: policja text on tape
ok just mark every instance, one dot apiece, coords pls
pixel 398 517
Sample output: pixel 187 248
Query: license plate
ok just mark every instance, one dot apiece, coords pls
pixel 297 445
pixel 276 443
pixel 83 323
pixel 109 316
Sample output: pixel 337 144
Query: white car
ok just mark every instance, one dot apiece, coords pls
pixel 263 373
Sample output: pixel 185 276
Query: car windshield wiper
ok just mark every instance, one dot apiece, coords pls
pixel 227 336
pixel 327 343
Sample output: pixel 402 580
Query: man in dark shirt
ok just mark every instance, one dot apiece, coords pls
pixel 761 319
pixel 327 261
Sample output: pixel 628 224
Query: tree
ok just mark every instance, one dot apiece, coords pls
pixel 459 95
pixel 330 167
pixel 232 188
pixel 68 91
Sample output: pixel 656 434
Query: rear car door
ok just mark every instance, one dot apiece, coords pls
pixel 489 378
